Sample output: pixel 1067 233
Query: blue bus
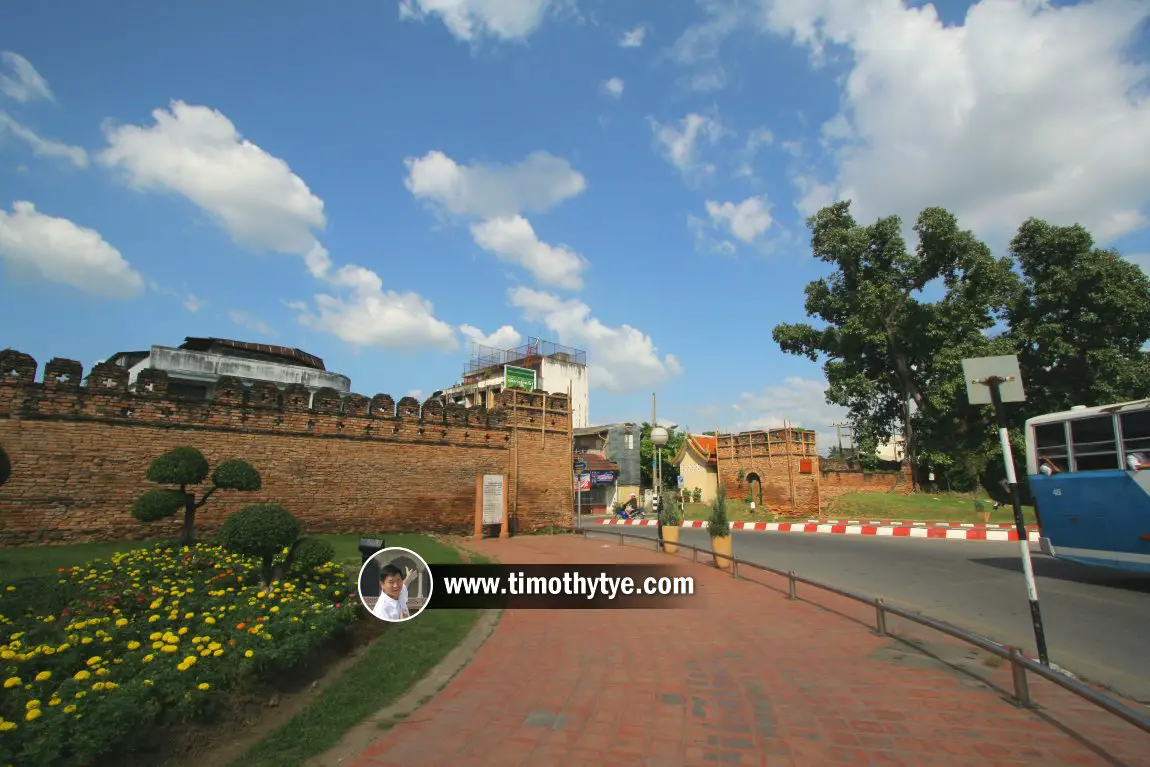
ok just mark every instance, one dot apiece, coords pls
pixel 1089 470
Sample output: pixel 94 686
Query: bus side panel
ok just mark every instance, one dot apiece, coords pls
pixel 1078 512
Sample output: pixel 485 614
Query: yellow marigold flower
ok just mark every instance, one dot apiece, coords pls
pixel 32 704
pixel 80 694
pixel 94 660
pixel 101 672
pixel 209 620
pixel 182 666
pixel 7 726
pixel 69 708
pixel 169 648
pixel 248 653
pixel 98 686
pixel 155 635
pixel 217 653
pixel 33 715
pixel 274 609
pixel 148 682
pixel 133 645
pixel 43 676
pixel 203 686
pixel 189 616
pixel 7 655
pixel 50 619
pixel 86 640
pixel 205 652
pixel 214 646
pixel 149 658
pixel 153 618
pixel 54 701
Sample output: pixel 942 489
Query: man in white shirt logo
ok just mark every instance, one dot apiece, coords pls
pixel 392 603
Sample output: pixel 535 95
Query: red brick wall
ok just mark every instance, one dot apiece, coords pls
pixel 777 459
pixel 79 454
pixel 836 482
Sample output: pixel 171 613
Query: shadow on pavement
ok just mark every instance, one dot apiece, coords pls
pixel 1045 567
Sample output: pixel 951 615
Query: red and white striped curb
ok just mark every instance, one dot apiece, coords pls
pixel 881 530
pixel 975 525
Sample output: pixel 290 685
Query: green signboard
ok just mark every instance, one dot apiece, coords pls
pixel 518 378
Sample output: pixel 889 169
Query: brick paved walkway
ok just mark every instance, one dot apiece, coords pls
pixel 745 678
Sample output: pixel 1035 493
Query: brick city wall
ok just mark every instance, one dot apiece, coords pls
pixel 343 465
pixel 778 458
pixel 836 482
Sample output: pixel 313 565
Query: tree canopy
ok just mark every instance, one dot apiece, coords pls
pixel 894 326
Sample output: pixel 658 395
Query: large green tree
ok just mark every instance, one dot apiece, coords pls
pixel 1079 320
pixel 647 455
pixel 881 336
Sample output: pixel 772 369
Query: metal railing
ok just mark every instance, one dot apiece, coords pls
pixel 1020 665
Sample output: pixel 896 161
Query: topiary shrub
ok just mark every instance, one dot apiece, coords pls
pixel 309 554
pixel 186 466
pixel 263 530
pixel 672 512
pixel 719 525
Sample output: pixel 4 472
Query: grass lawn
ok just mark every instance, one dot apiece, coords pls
pixel 403 655
pixel 920 507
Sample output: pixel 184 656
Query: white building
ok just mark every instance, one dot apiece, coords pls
pixel 196 365
pixel 556 368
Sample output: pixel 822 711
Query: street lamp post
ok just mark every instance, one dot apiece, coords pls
pixel 659 439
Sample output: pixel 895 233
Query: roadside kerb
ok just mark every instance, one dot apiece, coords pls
pixel 1020 664
pixel 887 531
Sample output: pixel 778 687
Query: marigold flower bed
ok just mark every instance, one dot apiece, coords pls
pixel 94 659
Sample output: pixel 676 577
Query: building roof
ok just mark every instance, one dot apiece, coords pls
pixel 596 462
pixel 704 446
pixel 294 356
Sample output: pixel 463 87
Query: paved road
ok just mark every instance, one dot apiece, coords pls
pixel 1097 622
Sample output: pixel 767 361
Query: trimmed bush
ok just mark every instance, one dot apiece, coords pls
pixel 719 525
pixel 263 531
pixel 236 475
pixel 310 554
pixel 157 504
pixel 181 466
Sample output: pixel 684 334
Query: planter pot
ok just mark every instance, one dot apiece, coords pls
pixel 671 539
pixel 721 546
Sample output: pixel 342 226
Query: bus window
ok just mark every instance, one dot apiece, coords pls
pixel 1136 431
pixel 1095 447
pixel 1050 444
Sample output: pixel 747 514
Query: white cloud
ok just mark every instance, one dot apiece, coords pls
pixel 197 153
pixel 756 140
pixel 191 301
pixel 60 251
pixel 472 20
pixel 634 38
pixel 613 87
pixel 42 147
pixel 537 184
pixel 680 145
pixel 622 359
pixel 699 47
pixel 249 321
pixel 513 240
pixel 416 393
pixel 746 220
pixel 506 337
pixel 799 402
pixel 373 317
pixel 22 82
pixel 996 119
pixel 705 239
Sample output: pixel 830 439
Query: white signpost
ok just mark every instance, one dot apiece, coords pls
pixel 993 381
pixel 492 499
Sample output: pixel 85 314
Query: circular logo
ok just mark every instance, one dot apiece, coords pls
pixel 395 584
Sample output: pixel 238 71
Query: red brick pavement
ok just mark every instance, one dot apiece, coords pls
pixel 746 677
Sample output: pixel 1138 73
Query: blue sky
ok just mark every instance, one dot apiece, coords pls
pixel 380 182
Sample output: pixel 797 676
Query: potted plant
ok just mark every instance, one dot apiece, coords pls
pixel 671 516
pixel 719 526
